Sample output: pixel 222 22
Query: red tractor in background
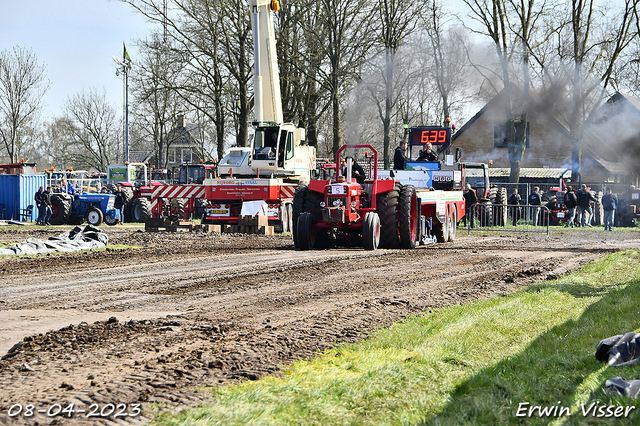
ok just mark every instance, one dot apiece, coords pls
pixel 375 213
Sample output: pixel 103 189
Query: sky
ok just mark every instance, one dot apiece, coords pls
pixel 75 39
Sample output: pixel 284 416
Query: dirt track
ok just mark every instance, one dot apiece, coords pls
pixel 188 310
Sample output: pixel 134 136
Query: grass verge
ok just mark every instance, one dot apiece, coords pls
pixel 473 364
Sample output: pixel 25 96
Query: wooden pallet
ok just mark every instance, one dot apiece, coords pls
pixel 161 224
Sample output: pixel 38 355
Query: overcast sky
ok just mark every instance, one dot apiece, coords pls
pixel 75 39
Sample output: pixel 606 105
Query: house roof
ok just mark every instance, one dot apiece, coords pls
pixel 596 145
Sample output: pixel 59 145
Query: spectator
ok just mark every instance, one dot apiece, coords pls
pixel 514 202
pixel 584 198
pixel 428 154
pixel 609 205
pixel 535 200
pixel 48 212
pixel 399 157
pixel 119 203
pixel 571 202
pixel 39 199
pixel 470 198
pixel 67 188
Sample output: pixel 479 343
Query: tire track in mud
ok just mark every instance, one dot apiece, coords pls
pixel 243 322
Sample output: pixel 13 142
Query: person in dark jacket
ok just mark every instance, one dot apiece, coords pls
pixel 428 154
pixel 470 198
pixel 571 202
pixel 39 199
pixel 535 200
pixel 48 211
pixel 119 202
pixel 399 157
pixel 584 198
pixel 609 205
pixel 514 202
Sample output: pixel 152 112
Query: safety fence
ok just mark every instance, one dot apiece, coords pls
pixel 507 218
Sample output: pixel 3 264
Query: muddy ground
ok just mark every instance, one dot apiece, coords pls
pixel 120 330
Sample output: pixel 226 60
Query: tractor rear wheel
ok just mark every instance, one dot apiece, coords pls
pixel 305 232
pixel 371 231
pixel 200 207
pixel 322 238
pixel 93 216
pixel 387 209
pixel 177 209
pixel 141 209
pixel 500 215
pixel 407 218
pixel 61 208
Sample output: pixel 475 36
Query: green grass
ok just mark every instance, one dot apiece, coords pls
pixel 471 364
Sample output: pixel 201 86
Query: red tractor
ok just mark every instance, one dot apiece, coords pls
pixel 344 210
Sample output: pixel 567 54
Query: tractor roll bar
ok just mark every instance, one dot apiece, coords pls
pixel 375 157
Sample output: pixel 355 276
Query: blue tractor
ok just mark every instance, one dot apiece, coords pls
pixel 75 209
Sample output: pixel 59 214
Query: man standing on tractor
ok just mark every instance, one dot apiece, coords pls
pixel 399 157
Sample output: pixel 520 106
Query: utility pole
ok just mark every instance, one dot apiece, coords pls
pixel 124 66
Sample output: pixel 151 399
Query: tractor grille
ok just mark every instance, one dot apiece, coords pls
pixel 331 199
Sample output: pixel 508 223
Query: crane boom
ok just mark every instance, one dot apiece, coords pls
pixel 268 103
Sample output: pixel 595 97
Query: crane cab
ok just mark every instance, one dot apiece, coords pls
pixel 280 150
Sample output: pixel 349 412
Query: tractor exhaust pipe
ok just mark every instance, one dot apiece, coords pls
pixel 349 169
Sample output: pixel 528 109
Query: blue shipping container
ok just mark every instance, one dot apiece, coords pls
pixel 16 194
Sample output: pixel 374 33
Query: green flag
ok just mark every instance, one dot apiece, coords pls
pixel 125 54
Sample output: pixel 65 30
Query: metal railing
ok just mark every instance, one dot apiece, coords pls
pixel 507 218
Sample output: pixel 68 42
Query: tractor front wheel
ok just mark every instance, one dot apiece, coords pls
pixel 298 209
pixel 305 232
pixel 371 231
pixel 93 216
pixel 111 222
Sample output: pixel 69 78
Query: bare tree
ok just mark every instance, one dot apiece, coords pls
pixel 156 102
pixel 345 24
pixel 397 21
pixel 593 59
pixel 22 85
pixel 91 126
pixel 509 25
pixel 212 34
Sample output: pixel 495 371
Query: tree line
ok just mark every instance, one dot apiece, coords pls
pixel 352 71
